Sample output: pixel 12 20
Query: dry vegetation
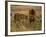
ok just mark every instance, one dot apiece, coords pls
pixel 25 18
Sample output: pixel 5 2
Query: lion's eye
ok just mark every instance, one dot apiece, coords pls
pixel 21 17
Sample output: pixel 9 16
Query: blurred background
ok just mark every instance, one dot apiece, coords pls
pixel 26 18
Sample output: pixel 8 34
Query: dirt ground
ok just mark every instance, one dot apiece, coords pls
pixel 26 18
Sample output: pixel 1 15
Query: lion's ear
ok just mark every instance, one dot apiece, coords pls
pixel 32 12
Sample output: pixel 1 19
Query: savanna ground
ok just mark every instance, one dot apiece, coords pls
pixel 25 18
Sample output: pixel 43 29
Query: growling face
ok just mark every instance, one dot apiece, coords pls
pixel 21 18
